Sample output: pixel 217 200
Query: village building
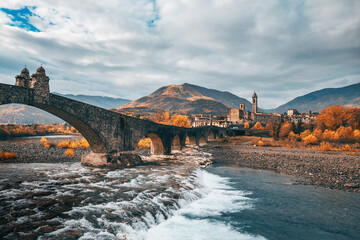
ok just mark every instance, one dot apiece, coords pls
pixel 296 117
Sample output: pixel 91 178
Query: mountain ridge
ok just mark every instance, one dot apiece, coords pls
pixel 186 99
pixel 319 99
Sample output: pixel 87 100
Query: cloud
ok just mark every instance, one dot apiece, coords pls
pixel 128 49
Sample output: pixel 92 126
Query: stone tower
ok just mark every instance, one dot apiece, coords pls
pixel 254 103
pixel 23 79
pixel 40 82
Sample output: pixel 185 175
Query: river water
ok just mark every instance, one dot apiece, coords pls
pixel 168 201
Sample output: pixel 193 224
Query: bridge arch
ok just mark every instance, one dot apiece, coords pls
pixel 211 135
pixel 191 139
pixel 157 145
pixel 202 140
pixel 176 144
pixel 96 143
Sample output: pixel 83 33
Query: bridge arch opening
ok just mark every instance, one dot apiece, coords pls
pixel 190 140
pixel 96 143
pixel 176 145
pixel 202 141
pixel 211 135
pixel 153 142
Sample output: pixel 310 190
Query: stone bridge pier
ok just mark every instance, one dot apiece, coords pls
pixel 112 136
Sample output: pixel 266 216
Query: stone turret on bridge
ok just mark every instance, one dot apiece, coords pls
pixel 112 136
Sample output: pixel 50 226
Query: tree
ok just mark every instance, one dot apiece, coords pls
pixel 180 121
pixel 352 117
pixel 285 129
pixel 331 118
pixel 274 128
pixel 258 126
pixel 246 125
pixel 298 127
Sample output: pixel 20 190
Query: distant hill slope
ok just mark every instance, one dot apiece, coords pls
pixel 186 99
pixel 99 101
pixel 23 114
pixel 318 100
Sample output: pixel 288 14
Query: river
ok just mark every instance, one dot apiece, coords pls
pixel 169 201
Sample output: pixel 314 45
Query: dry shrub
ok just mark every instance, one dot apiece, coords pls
pixel 64 144
pixel 328 135
pixel 344 134
pixel 47 144
pixel 325 146
pixel 356 135
pixel 144 143
pixel 346 148
pixel 310 140
pixel 7 155
pixel 293 137
pixel 69 153
pixel 317 133
pixel 83 143
pixel 73 145
pixel 351 154
pixel 260 143
pixel 305 133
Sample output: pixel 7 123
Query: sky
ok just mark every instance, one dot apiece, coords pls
pixel 128 49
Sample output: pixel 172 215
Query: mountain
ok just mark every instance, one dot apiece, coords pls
pixel 99 101
pixel 318 100
pixel 185 99
pixel 23 114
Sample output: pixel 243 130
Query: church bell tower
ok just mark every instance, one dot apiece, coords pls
pixel 254 103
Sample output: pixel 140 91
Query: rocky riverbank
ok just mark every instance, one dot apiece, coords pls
pixel 335 171
pixel 30 150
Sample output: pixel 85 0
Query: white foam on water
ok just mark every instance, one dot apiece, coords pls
pixel 195 221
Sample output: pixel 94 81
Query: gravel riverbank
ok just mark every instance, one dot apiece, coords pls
pixel 335 170
pixel 30 150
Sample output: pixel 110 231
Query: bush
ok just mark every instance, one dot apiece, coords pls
pixel 260 143
pixel 246 125
pixel 64 144
pixel 83 143
pixel 310 140
pixel 293 137
pixel 7 155
pixel 69 153
pixel 325 146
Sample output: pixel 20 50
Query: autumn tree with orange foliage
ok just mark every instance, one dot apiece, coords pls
pixel 258 126
pixel 352 117
pixel 246 125
pixel 331 118
pixel 163 117
pixel 285 129
pixel 335 116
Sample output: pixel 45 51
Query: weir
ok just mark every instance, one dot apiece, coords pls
pixel 112 136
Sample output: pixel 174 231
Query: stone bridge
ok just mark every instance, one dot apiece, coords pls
pixel 109 134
